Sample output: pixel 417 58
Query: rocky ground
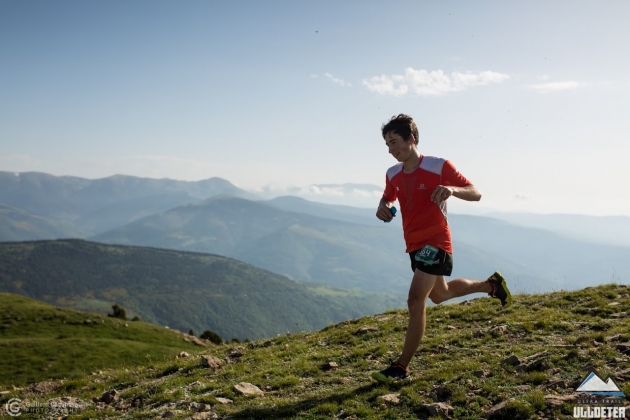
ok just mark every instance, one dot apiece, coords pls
pixel 476 361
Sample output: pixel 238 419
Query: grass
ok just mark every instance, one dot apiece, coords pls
pixel 461 340
pixel 39 342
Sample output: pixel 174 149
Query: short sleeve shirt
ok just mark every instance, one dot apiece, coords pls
pixel 424 222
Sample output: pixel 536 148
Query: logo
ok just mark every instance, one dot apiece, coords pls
pixel 593 385
pixel 13 407
pixel 422 187
pixel 604 399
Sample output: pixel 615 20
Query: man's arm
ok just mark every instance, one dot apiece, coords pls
pixel 467 193
pixel 383 212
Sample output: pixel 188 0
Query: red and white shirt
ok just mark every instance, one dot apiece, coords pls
pixel 424 222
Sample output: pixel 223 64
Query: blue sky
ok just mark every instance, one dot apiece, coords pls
pixel 529 99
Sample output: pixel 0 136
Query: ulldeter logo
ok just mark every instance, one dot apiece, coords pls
pixel 594 385
pixel 604 399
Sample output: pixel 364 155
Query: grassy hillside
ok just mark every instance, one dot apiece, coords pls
pixel 39 341
pixel 180 289
pixel 558 338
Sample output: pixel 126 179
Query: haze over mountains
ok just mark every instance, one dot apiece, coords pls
pixel 334 245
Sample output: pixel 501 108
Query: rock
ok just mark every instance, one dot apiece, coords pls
pixel 623 348
pixel 522 367
pixel 451 327
pixel 619 315
pixel 480 373
pixel 497 410
pixel 559 400
pixel 110 396
pixel 196 406
pixel 45 387
pixel 365 330
pixel 224 400
pixel 199 342
pixel 204 416
pixel 182 355
pixel 236 352
pixel 513 360
pixel 555 384
pixel 439 409
pixel 616 337
pixel 441 393
pixel 391 398
pixel 537 366
pixel 614 304
pixel 211 362
pixel 248 389
pixel 499 329
pixel 329 366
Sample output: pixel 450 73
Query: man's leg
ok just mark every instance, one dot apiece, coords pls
pixel 419 291
pixel 443 291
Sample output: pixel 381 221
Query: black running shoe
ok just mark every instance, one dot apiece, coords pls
pixel 499 289
pixel 395 372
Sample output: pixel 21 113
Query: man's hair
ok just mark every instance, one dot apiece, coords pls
pixel 402 125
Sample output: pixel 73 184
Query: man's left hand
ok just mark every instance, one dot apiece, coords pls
pixel 441 193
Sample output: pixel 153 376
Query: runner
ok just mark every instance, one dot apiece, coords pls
pixel 422 184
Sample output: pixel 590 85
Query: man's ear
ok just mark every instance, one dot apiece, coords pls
pixel 412 138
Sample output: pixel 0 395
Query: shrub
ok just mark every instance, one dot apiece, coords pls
pixel 119 312
pixel 212 336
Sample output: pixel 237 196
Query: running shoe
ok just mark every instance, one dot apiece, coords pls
pixel 395 372
pixel 499 289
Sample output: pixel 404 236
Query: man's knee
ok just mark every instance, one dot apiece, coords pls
pixel 437 298
pixel 415 302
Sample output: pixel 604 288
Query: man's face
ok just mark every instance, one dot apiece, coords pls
pixel 398 147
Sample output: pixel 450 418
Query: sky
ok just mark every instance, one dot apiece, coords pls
pixel 528 99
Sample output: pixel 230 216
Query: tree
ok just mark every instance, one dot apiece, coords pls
pixel 212 336
pixel 119 312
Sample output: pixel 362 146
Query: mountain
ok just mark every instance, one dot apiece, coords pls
pixel 297 245
pixel 180 289
pixel 18 225
pixel 475 361
pixel 347 248
pixel 329 211
pixel 565 263
pixel 93 206
pixel 39 341
pixel 607 230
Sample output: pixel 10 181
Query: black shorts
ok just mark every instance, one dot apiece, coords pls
pixel 442 264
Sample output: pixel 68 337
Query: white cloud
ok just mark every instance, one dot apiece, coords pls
pixel 544 77
pixel 430 83
pixel 336 80
pixel 521 196
pixel 555 86
pixel 314 76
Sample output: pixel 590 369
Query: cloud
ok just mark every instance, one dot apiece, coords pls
pixel 430 83
pixel 336 80
pixel 544 77
pixel 521 196
pixel 555 86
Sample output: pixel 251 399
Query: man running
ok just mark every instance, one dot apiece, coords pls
pixel 422 184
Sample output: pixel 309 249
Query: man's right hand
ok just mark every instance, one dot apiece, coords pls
pixel 384 213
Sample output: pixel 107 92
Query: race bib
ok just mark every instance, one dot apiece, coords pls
pixel 426 255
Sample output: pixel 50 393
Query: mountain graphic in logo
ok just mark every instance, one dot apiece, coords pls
pixel 594 385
